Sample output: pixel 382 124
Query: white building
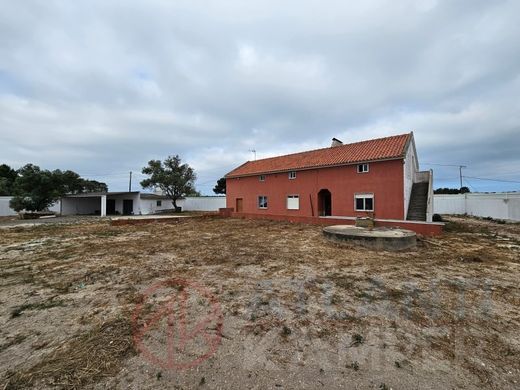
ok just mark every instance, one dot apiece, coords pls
pixel 133 203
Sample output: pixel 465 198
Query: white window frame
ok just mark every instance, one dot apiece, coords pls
pixel 364 196
pixel 292 175
pixel 158 203
pixel 261 178
pixel 363 168
pixel 295 199
pixel 262 202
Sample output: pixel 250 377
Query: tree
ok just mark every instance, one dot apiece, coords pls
pixel 7 178
pixel 176 180
pixel 94 186
pixel 71 183
pixel 220 188
pixel 35 189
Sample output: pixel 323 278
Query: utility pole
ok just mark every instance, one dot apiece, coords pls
pixel 460 174
pixel 130 183
pixel 254 152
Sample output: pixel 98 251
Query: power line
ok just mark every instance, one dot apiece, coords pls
pixel 469 184
pixel 460 166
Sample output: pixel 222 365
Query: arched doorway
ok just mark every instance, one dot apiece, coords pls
pixel 324 203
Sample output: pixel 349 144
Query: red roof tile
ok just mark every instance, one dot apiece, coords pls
pixel 377 149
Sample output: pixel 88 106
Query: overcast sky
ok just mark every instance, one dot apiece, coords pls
pixel 101 89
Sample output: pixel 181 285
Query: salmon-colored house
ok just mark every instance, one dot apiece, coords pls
pixel 377 178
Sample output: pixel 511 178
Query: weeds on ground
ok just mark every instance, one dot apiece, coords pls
pixel 18 311
pixel 82 361
pixel 18 339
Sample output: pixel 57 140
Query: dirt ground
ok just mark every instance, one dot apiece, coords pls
pixel 234 304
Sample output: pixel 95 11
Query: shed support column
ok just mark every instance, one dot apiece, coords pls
pixel 103 205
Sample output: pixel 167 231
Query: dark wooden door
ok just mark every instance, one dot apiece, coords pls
pixel 239 205
pixel 111 206
pixel 128 206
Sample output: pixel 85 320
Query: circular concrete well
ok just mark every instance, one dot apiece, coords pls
pixel 378 238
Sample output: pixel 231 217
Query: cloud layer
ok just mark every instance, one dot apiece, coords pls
pixel 101 89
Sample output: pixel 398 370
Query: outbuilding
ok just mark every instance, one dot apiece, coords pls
pixel 114 203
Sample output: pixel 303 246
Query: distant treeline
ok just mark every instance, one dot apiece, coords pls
pixel 452 191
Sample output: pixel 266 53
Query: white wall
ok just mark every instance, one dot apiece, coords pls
pixel 202 203
pixel 410 167
pixel 499 205
pixel 149 206
pixel 6 211
pixel 196 203
pixel 429 205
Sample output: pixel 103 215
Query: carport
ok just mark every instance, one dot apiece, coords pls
pixel 101 203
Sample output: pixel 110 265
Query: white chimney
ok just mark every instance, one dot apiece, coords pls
pixel 336 142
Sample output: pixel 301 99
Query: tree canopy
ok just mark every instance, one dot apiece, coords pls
pixel 220 187
pixel 7 178
pixel 176 180
pixel 35 189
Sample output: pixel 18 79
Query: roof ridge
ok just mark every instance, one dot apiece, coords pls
pixel 328 147
pixel 386 146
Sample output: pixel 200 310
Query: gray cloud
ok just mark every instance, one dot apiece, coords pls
pixel 101 88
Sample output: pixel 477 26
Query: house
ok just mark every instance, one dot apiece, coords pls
pixel 378 178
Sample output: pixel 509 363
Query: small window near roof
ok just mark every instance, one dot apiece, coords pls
pixel 364 202
pixel 262 178
pixel 262 202
pixel 292 175
pixel 159 203
pixel 362 168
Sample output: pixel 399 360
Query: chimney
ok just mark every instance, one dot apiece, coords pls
pixel 336 142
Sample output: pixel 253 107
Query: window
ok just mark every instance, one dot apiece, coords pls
pixel 262 178
pixel 262 202
pixel 292 175
pixel 159 203
pixel 293 202
pixel 364 202
pixel 362 168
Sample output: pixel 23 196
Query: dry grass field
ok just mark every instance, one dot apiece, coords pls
pixel 297 311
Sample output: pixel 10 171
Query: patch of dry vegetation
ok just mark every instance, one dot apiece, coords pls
pixel 82 361
pixel 67 290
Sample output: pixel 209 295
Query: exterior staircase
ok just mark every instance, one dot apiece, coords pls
pixel 418 202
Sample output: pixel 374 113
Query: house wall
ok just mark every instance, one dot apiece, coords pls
pixel 119 202
pixel 385 180
pixel 498 205
pixel 410 169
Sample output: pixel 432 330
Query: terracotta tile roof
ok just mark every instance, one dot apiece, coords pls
pixel 377 149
